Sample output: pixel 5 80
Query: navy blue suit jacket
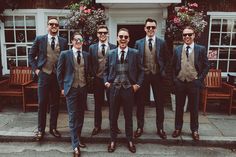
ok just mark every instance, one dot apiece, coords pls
pixel 162 53
pixel 65 69
pixel 39 50
pixel 135 68
pixel 201 62
pixel 93 51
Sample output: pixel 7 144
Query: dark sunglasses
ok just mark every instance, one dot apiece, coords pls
pixel 123 36
pixel 79 40
pixel 53 24
pixel 149 27
pixel 105 33
pixel 187 34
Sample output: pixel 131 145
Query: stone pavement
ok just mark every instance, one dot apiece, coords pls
pixel 216 129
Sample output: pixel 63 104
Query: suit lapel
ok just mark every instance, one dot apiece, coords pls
pixel 71 56
pixel 158 47
pixel 45 43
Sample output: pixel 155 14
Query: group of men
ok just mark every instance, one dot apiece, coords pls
pixel 125 74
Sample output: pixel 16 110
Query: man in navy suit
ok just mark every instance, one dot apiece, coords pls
pixel 190 67
pixel 43 58
pixel 98 54
pixel 72 71
pixel 154 56
pixel 123 75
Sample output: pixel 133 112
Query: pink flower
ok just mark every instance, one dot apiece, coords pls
pixel 193 5
pixel 87 11
pixel 176 20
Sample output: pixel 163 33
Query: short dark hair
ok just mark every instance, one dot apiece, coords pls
pixel 76 33
pixel 123 29
pixel 189 27
pixel 150 20
pixel 101 27
pixel 53 17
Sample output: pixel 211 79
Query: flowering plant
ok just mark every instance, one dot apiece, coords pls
pixel 187 15
pixel 85 16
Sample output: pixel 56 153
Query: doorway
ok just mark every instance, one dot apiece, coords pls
pixel 135 32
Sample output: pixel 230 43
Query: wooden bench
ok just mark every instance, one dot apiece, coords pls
pixel 216 90
pixel 13 86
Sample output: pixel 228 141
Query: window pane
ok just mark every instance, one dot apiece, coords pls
pixel 232 66
pixel 233 53
pixel 213 64
pixel 22 62
pixel 215 25
pixel 215 38
pixel 30 22
pixel 227 25
pixel 64 34
pixel 8 22
pixel 11 61
pixel 11 52
pixel 9 36
pixel 233 39
pixel 223 52
pixel 223 66
pixel 19 21
pixel 225 39
pixel 62 22
pixel 20 36
pixel 21 51
pixel 31 34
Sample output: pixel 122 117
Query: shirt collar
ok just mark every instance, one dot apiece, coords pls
pixel 75 51
pixel 153 38
pixel 191 46
pixel 126 49
pixel 50 37
pixel 100 44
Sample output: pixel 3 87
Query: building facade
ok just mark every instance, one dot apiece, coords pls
pixel 21 25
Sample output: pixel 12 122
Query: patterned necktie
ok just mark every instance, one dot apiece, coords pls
pixel 150 44
pixel 187 51
pixel 78 57
pixel 122 58
pixel 103 49
pixel 53 43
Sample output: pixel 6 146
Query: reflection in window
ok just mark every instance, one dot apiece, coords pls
pixel 11 52
pixel 223 52
pixel 19 21
pixel 20 36
pixel 22 62
pixel 30 22
pixel 9 36
pixel 215 39
pixel 11 61
pixel 216 25
pixel 232 66
pixel 21 51
pixel 223 66
pixel 31 34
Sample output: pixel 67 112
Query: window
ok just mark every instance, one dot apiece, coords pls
pixel 222 43
pixel 20 31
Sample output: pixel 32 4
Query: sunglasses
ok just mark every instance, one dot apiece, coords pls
pixel 53 24
pixel 105 33
pixel 123 36
pixel 187 34
pixel 79 40
pixel 149 27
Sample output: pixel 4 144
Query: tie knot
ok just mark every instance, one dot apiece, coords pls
pixel 78 52
pixel 103 45
pixel 122 51
pixel 150 39
pixel 53 38
pixel 187 48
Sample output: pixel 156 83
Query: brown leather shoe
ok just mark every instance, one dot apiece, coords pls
pixel 55 133
pixel 96 130
pixel 161 133
pixel 81 143
pixel 176 133
pixel 76 153
pixel 131 147
pixel 195 136
pixel 138 132
pixel 111 147
pixel 39 136
pixel 118 131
